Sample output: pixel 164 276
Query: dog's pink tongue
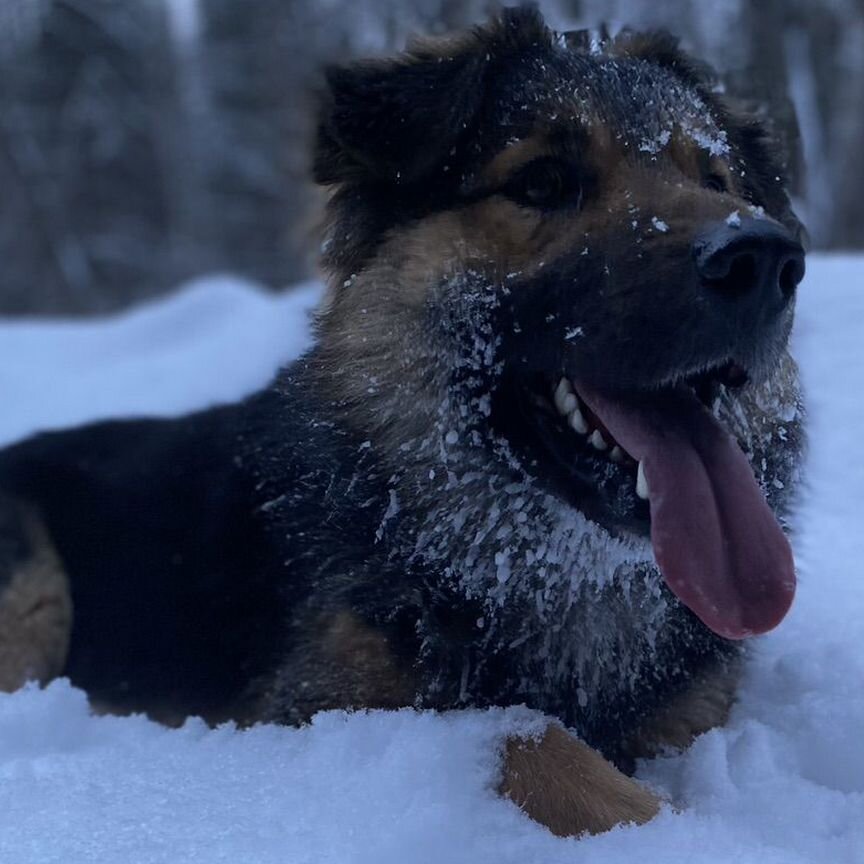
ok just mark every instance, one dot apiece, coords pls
pixel 716 541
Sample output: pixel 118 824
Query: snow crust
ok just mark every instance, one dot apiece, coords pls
pixel 782 782
pixel 216 340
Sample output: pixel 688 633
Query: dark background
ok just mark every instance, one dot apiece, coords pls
pixel 146 141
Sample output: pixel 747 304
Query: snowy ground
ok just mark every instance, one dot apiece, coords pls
pixel 783 782
pixel 215 341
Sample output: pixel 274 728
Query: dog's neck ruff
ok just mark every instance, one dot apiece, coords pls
pixel 585 606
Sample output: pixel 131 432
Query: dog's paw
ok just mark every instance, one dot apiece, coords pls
pixel 563 784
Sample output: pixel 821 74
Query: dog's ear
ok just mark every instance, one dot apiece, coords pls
pixel 396 120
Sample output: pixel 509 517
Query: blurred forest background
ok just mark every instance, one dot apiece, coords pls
pixel 146 141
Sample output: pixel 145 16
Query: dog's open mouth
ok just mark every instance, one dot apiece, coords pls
pixel 660 461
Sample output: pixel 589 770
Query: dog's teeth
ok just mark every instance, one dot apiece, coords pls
pixel 577 421
pixel 597 440
pixel 617 454
pixel 641 482
pixel 562 392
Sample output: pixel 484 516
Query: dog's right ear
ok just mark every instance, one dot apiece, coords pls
pixel 396 120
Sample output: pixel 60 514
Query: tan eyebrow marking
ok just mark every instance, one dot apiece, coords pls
pixel 695 161
pixel 513 157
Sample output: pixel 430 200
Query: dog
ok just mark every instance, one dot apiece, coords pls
pixel 541 452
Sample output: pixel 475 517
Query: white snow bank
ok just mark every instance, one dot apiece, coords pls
pixel 783 783
pixel 376 787
pixel 216 340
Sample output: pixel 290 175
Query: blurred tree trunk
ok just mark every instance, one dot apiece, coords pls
pixel 81 155
pixel 826 61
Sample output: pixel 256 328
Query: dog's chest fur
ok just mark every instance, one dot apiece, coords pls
pixel 486 588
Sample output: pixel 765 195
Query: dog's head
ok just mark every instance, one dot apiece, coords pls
pixel 573 245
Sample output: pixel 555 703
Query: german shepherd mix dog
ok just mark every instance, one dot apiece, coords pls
pixel 537 456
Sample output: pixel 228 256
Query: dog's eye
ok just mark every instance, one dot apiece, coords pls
pixel 716 183
pixel 545 183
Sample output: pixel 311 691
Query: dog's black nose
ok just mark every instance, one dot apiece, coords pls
pixel 756 257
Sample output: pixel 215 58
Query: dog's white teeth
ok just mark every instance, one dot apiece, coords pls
pixel 577 421
pixel 598 441
pixel 641 482
pixel 567 403
pixel 562 392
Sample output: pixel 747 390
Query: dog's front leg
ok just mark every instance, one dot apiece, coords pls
pixel 570 788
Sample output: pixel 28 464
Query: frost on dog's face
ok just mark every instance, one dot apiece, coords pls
pixel 576 260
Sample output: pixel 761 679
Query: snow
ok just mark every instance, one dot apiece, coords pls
pixel 215 341
pixel 782 783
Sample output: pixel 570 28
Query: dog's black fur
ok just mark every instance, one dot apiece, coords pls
pixel 272 558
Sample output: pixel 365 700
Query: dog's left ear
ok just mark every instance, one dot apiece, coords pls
pixel 395 120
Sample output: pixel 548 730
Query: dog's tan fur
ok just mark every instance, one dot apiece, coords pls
pixel 703 706
pixel 369 674
pixel 571 789
pixel 35 613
